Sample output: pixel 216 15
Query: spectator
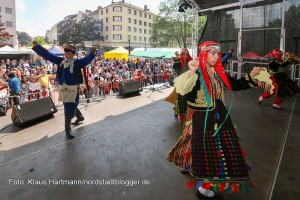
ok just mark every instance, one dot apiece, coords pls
pixel 14 87
pixel 24 88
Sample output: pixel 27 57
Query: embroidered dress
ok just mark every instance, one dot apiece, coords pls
pixel 209 149
pixel 211 159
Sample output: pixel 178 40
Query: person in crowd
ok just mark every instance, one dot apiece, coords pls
pixel 44 91
pixel 45 79
pixel 148 74
pixel 34 88
pixel 14 87
pixel 24 88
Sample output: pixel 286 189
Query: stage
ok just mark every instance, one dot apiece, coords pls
pixel 128 139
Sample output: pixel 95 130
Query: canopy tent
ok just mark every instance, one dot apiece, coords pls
pixel 56 51
pixel 154 53
pixel 118 53
pixel 7 50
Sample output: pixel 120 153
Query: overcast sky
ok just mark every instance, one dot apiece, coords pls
pixel 37 16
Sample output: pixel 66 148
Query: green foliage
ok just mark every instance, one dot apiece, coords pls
pixel 24 38
pixel 39 39
pixel 88 29
pixel 172 28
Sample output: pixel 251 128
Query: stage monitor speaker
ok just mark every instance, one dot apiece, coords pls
pixel 31 111
pixel 129 87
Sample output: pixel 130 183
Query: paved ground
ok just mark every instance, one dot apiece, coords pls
pixel 129 139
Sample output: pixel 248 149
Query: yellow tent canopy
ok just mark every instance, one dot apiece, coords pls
pixel 118 53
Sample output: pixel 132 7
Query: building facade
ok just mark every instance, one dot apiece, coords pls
pixel 51 34
pixel 125 25
pixel 8 16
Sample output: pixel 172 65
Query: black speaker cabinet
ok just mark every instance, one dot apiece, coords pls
pixel 129 87
pixel 33 110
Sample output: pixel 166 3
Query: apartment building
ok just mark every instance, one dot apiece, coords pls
pixel 8 13
pixel 51 34
pixel 125 25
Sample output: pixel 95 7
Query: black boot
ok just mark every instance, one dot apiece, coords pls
pixel 68 129
pixel 79 117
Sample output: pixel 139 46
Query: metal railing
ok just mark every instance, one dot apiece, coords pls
pixel 295 73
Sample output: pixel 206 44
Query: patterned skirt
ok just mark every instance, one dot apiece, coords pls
pixel 180 105
pixel 217 161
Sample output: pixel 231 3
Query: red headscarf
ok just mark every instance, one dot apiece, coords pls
pixel 182 53
pixel 277 54
pixel 204 48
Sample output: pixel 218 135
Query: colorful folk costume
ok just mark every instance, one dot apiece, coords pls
pixel 283 85
pixel 209 148
pixel 179 101
pixel 69 77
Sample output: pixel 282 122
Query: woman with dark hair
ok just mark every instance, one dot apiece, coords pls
pixel 209 149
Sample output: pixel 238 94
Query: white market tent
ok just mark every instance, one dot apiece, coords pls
pixel 7 50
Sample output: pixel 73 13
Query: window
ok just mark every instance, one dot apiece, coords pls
pixel 106 38
pixel 149 31
pixel 145 39
pixel 106 10
pixel 145 15
pixel 129 11
pixel 134 21
pixel 135 12
pixel 117 37
pixel 129 29
pixel 140 39
pixel 101 12
pixel 149 16
pixel 106 20
pixel 149 24
pixel 134 29
pixel 140 30
pixel 9 24
pixel 145 31
pixel 106 28
pixel 129 20
pixel 8 10
pixel 145 23
pixel 140 22
pixel 117 18
pixel 141 14
pixel 117 9
pixel 134 38
pixel 117 27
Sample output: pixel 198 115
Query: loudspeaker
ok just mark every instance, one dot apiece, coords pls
pixel 129 87
pixel 33 110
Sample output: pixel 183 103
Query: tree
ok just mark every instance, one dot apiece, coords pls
pixel 292 27
pixel 4 36
pixel 24 38
pixel 39 39
pixel 172 28
pixel 88 29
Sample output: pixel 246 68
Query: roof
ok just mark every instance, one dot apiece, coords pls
pixel 128 5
